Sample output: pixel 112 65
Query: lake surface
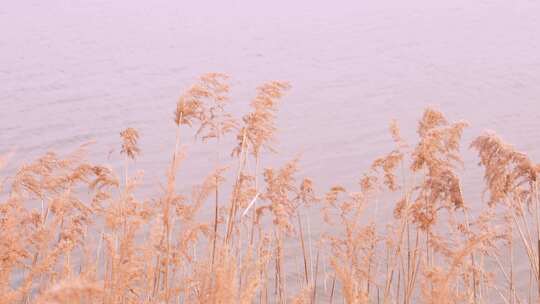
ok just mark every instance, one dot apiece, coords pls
pixel 72 71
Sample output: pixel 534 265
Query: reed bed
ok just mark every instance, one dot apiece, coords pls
pixel 75 232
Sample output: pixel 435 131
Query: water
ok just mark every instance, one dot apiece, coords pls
pixel 71 71
pixel 74 71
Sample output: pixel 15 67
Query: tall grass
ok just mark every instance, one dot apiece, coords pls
pixel 75 232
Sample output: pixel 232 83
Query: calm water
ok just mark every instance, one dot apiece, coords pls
pixel 71 71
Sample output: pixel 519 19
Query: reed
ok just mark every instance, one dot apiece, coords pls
pixel 76 232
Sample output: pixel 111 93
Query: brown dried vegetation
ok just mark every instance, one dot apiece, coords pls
pixel 73 232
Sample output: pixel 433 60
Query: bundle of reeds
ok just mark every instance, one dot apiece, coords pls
pixel 75 232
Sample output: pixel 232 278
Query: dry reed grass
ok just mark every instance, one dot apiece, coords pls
pixel 75 232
